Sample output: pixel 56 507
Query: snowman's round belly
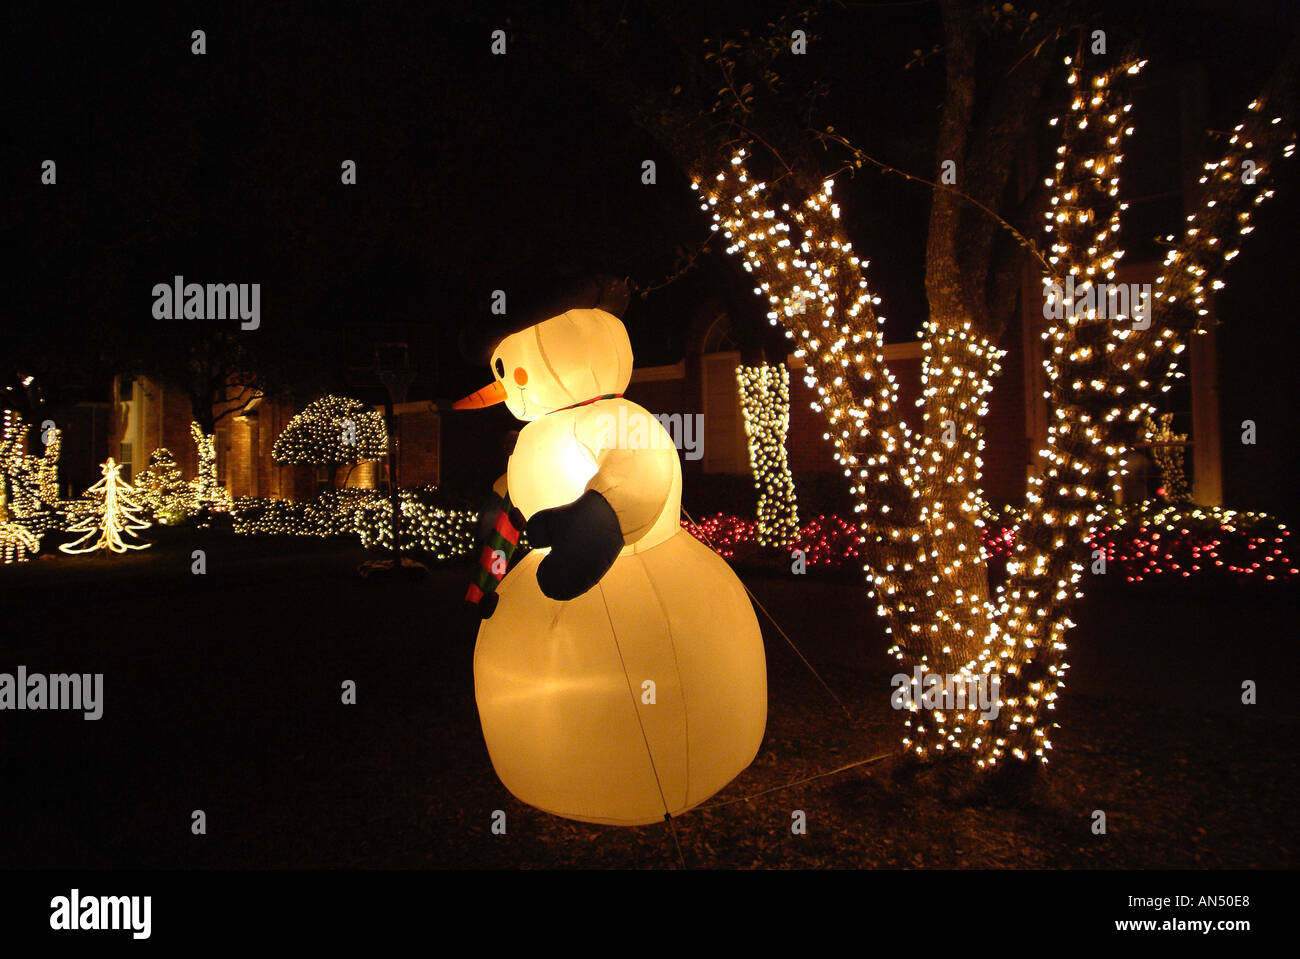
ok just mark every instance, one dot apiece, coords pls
pixel 646 694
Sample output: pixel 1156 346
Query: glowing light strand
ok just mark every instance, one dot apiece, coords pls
pixel 117 517
pixel 765 404
pixel 924 495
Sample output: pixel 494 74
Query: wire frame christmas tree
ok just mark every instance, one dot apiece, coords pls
pixel 117 518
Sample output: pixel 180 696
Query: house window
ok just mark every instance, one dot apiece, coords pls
pixel 721 336
pixel 125 388
pixel 124 457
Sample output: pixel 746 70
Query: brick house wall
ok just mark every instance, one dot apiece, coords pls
pixel 419 445
pixel 155 416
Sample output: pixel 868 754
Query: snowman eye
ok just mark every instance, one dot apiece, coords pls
pixel 501 368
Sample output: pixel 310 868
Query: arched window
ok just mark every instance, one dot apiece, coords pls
pixel 720 337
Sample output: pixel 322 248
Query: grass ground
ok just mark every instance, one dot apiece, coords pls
pixel 222 694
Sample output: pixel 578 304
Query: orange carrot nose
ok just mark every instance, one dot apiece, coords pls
pixel 490 395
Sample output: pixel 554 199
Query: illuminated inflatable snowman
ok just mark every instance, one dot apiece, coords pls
pixel 619 670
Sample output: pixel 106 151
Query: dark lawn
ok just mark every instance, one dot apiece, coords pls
pixel 222 694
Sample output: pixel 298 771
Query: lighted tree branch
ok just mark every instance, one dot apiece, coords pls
pixel 1099 391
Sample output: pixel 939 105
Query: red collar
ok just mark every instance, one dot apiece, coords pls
pixel 594 399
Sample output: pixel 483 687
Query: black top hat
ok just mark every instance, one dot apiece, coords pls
pixel 529 306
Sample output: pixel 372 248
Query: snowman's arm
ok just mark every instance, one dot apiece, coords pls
pixel 584 540
pixel 636 483
pixel 620 505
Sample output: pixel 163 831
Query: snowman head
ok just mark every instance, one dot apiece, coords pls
pixel 568 359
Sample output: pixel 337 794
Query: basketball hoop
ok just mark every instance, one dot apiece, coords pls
pixel 397 382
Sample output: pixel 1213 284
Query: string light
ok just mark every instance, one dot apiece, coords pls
pixel 28 490
pixel 722 533
pixel 1211 237
pixel 163 491
pixel 331 431
pixel 442 533
pixel 909 488
pixel 48 470
pixel 208 492
pixel 20 472
pixel 1102 380
pixel 917 493
pixel 1167 452
pixel 1089 368
pixel 330 514
pixel 765 404
pixel 438 532
pixel 17 543
pixel 1139 542
pixel 117 517
pixel 1180 541
pixel 825 541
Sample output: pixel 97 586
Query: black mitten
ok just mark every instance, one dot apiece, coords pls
pixel 585 539
pixel 483 609
pixel 488 605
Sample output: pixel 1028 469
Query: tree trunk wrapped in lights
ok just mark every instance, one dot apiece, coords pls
pixel 1167 453
pixel 28 486
pixel 48 470
pixel 918 490
pixel 20 472
pixel 208 491
pixel 765 403
pixel 1103 376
